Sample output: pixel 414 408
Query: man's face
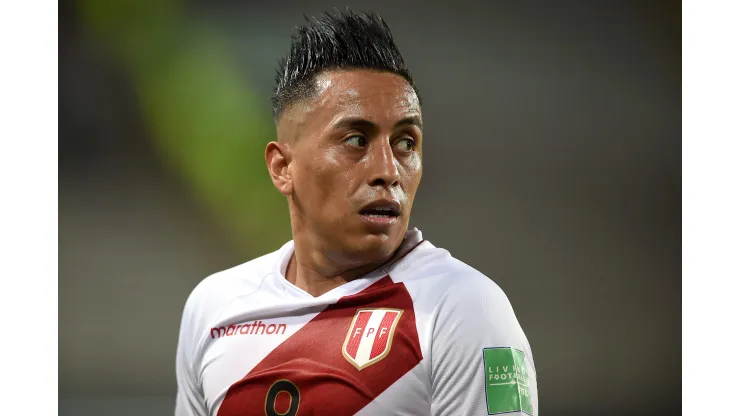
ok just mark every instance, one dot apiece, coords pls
pixel 355 163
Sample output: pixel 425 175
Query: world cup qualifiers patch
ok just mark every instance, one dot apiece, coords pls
pixel 507 381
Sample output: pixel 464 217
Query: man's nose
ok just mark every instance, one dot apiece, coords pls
pixel 384 166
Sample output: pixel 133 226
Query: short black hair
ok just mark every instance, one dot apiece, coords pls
pixel 338 40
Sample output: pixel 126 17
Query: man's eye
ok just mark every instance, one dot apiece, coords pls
pixel 357 141
pixel 406 145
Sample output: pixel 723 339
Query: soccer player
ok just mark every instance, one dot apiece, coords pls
pixel 357 314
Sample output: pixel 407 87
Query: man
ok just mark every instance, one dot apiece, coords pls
pixel 357 314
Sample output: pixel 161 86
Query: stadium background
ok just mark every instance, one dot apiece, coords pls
pixel 552 164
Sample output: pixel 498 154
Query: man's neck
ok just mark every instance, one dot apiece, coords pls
pixel 309 276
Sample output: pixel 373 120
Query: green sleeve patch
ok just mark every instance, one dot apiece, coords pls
pixel 507 381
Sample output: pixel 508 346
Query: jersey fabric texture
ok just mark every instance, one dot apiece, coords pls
pixel 425 334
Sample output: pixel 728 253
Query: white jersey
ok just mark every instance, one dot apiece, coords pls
pixel 424 335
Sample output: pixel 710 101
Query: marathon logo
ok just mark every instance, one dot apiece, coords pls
pixel 251 328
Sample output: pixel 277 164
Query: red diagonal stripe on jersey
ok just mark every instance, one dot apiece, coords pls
pixel 384 331
pixel 356 332
pixel 312 360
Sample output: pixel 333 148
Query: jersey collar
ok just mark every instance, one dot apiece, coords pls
pixel 412 239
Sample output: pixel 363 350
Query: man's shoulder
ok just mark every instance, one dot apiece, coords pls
pixel 235 281
pixel 437 270
pixel 453 294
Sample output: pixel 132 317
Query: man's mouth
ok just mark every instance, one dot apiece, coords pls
pixel 382 209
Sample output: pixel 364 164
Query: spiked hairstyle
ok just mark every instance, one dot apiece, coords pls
pixel 338 40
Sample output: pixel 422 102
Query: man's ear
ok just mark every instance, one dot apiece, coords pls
pixel 277 157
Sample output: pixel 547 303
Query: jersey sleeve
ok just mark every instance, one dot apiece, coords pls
pixel 481 360
pixel 189 400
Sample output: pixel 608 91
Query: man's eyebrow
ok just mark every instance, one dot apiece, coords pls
pixel 364 124
pixel 410 121
pixel 355 122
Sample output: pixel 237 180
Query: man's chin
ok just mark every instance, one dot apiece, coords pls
pixel 374 247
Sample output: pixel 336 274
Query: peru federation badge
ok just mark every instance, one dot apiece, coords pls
pixel 370 336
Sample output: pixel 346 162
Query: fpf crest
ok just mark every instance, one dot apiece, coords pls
pixel 370 336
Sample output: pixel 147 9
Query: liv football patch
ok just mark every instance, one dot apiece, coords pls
pixel 370 336
pixel 507 381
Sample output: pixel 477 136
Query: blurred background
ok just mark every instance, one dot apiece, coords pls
pixel 552 165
